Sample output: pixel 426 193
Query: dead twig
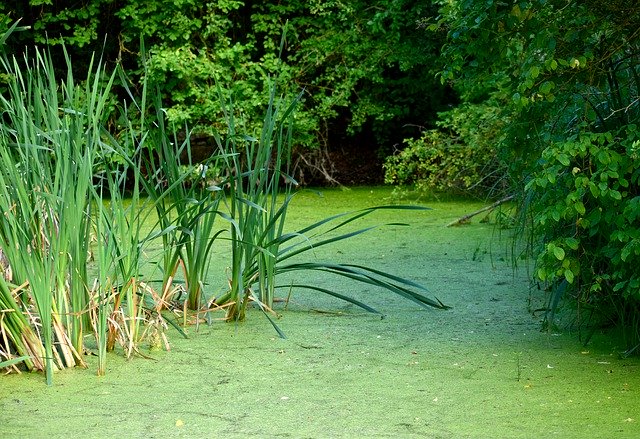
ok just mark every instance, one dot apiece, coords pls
pixel 466 218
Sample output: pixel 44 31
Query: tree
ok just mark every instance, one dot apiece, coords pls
pixel 362 65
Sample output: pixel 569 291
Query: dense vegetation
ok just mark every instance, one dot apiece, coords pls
pixel 366 70
pixel 562 81
pixel 539 99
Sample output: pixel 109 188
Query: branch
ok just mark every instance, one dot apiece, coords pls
pixel 466 218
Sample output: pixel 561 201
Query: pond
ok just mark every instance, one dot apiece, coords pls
pixel 482 369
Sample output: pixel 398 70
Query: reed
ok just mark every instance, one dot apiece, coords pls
pixel 257 173
pixel 186 209
pixel 49 138
pixel 260 191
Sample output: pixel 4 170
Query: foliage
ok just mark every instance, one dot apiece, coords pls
pixel 54 182
pixel 587 210
pixel 567 78
pixel 460 157
pixel 362 65
pixel 260 190
pixel 48 138
pixel 52 137
pixel 260 167
pixel 186 207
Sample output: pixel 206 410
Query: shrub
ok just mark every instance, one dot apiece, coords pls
pixel 460 157
pixel 587 207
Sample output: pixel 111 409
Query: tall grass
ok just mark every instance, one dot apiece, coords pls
pixel 129 309
pixel 258 170
pixel 260 192
pixel 186 205
pixel 121 241
pixel 52 140
pixel 185 202
pixel 49 139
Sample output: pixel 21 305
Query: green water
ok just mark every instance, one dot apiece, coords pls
pixel 480 370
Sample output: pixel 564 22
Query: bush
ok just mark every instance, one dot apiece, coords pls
pixel 460 157
pixel 587 209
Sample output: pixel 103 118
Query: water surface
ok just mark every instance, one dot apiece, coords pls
pixel 480 370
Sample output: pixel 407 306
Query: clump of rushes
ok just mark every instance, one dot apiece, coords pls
pixel 186 209
pixel 52 139
pixel 258 169
pixel 127 310
pixel 260 190
pixel 259 177
pixel 49 138
pixel 120 293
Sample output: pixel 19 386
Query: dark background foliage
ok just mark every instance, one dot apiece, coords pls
pixel 566 77
pixel 368 70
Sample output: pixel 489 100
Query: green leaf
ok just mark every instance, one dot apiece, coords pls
pixel 13 361
pixel 603 157
pixel 334 294
pixel 619 286
pixel 572 243
pixel 534 72
pixel 546 87
pixel 558 252
pixel 568 274
pixel 564 159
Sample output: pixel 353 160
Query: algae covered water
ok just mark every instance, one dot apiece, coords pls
pixel 482 369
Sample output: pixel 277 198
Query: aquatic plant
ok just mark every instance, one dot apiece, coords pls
pixel 49 140
pixel 186 209
pixel 52 140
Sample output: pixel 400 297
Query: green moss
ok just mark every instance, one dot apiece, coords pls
pixel 480 370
